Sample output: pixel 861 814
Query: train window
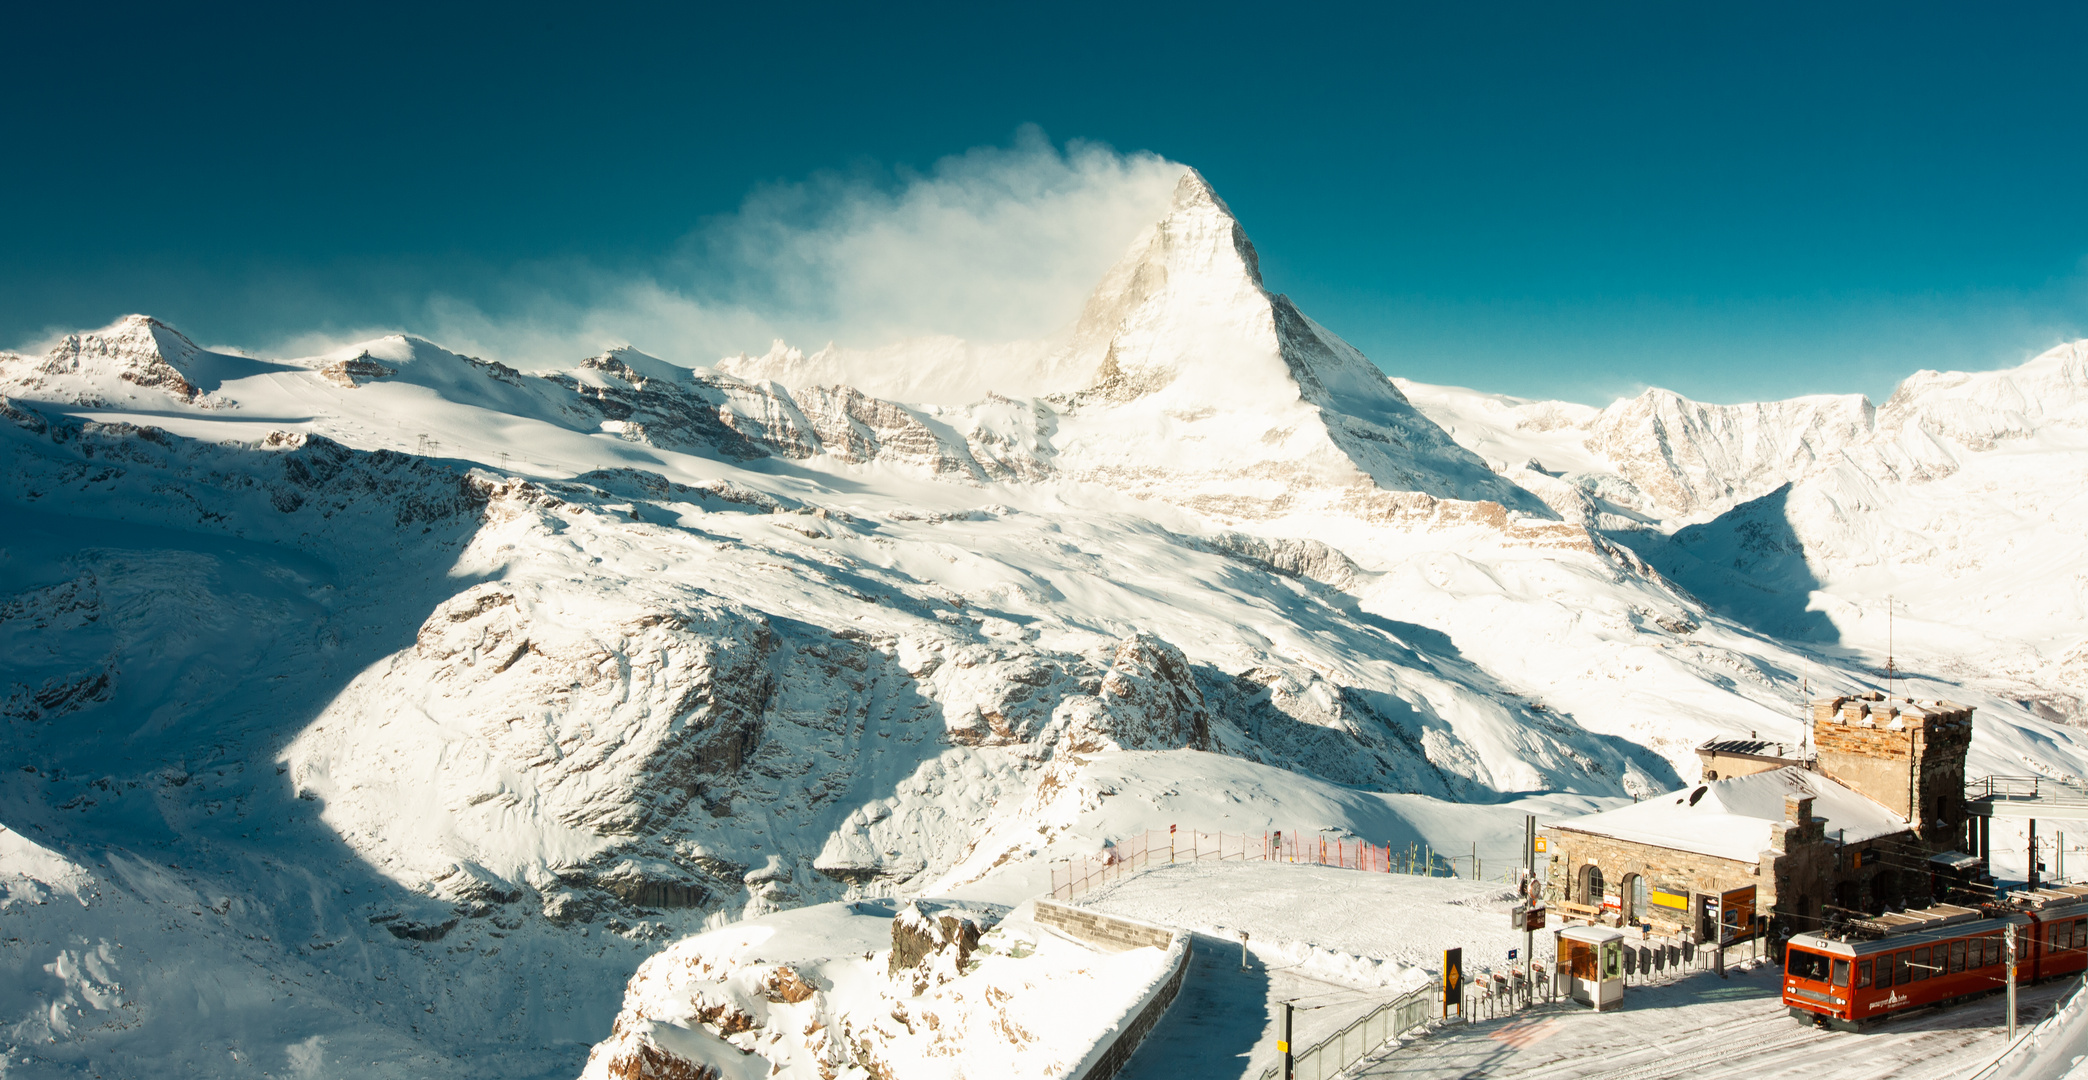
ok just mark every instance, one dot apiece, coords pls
pixel 1921 964
pixel 2080 933
pixel 1993 950
pixel 1902 971
pixel 1807 965
pixel 1841 973
pixel 1863 973
pixel 1957 957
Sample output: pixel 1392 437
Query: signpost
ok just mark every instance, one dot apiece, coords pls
pixel 1533 915
pixel 1453 981
pixel 1283 1045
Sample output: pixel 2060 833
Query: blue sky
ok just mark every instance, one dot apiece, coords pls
pixel 1550 200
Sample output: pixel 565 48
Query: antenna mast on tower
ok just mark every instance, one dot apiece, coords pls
pixel 1888 646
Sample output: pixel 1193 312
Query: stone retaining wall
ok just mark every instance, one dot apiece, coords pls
pixel 1106 931
pixel 1114 1051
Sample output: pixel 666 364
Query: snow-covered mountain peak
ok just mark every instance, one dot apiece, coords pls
pixel 1209 390
pixel 1186 296
pixel 1977 409
pixel 630 364
pixel 136 360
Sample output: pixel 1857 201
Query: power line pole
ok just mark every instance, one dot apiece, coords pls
pixel 2009 959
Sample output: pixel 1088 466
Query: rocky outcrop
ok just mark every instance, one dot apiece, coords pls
pixel 356 371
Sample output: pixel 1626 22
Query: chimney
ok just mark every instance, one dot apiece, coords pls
pixel 1798 810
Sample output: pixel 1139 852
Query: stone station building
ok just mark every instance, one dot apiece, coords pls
pixel 1782 833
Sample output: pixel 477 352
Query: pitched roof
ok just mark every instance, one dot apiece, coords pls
pixel 1736 817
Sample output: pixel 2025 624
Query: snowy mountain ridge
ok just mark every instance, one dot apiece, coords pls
pixel 351 677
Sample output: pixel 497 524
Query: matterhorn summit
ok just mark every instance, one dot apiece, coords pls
pixel 1210 391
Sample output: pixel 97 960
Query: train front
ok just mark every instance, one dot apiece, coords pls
pixel 1817 974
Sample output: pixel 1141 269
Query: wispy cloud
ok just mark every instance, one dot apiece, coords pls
pixel 995 244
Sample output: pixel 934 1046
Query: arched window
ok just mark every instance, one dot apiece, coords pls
pixel 1591 886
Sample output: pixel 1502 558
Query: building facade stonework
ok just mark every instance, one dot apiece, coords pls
pixel 1906 757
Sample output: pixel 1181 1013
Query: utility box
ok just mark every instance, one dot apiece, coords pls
pixel 1591 960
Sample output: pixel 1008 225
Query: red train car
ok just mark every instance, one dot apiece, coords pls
pixel 1911 960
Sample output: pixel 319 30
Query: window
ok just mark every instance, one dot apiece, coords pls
pixel 1957 957
pixel 1841 973
pixel 1902 971
pixel 1807 965
pixel 1591 886
pixel 1993 949
pixel 2080 937
pixel 1863 973
pixel 1921 964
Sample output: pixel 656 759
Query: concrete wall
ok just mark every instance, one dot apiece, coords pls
pixel 1104 931
pixel 1720 766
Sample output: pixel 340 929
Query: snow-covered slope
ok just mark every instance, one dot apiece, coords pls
pixel 1957 505
pixel 375 678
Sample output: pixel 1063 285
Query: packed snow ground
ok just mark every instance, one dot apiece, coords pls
pixel 1705 1026
pixel 1346 926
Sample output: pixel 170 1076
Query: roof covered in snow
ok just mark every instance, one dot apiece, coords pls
pixel 1736 818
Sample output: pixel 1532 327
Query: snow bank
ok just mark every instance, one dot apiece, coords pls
pixel 789 991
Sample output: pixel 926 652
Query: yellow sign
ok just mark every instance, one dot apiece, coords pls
pixel 1668 899
pixel 1542 846
pixel 1282 1047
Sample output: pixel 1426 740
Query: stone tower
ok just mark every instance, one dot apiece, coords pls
pixel 1906 755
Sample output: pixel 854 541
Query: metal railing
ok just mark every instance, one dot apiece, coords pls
pixel 1336 1052
pixel 1492 996
pixel 2026 789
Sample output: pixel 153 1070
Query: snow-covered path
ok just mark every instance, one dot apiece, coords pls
pixel 1700 1027
pixel 1213 1027
pixel 1226 1022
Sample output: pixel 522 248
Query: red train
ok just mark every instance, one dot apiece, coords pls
pixel 1910 960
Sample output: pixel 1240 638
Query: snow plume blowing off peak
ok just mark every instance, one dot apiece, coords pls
pixel 994 245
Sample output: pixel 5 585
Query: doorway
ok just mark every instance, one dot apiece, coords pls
pixel 1590 892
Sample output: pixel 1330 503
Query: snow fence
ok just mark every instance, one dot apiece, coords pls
pixel 1072 878
pixel 1113 1049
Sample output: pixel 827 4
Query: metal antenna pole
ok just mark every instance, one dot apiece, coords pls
pixel 2008 944
pixel 1888 646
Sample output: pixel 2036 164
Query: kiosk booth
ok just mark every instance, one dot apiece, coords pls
pixel 1591 962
